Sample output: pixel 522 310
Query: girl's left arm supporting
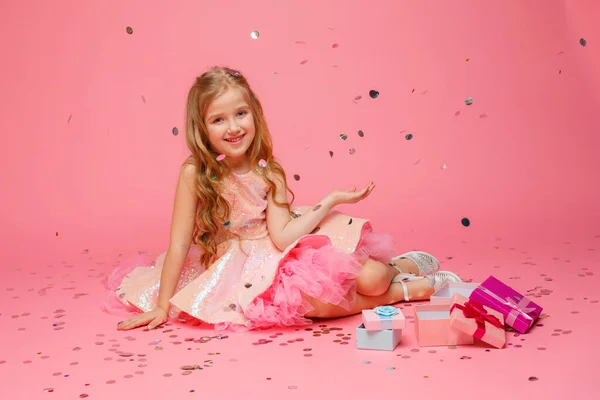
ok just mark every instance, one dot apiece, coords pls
pixel 284 230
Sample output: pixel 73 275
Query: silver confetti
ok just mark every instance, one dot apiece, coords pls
pixel 254 35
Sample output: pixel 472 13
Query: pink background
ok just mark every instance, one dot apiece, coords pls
pixel 87 111
pixel 532 163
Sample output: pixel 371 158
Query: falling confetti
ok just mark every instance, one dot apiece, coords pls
pixel 254 35
pixel 227 224
pixel 352 150
pixel 373 94
pixel 465 222
pixel 296 177
pixel 408 136
pixel 330 153
pixel 221 157
pixel 129 30
pixel 335 45
pixel 175 131
pixel 361 133
pixel 262 163
pixel 343 136
pixel 533 378
pixel 583 42
pixel 69 120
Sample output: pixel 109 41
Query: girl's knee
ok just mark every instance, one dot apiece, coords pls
pixel 374 278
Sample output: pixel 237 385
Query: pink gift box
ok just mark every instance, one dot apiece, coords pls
pixel 519 312
pixel 445 293
pixel 432 327
pixel 477 320
pixel 375 322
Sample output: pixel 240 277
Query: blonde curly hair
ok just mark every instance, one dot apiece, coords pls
pixel 214 209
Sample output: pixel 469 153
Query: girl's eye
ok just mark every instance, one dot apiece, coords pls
pixel 217 120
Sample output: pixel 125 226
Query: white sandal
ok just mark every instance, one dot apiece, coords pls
pixel 426 263
pixel 436 280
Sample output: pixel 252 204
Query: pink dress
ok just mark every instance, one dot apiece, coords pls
pixel 253 284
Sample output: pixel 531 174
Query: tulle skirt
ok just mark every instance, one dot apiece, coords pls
pixel 326 274
pixel 322 272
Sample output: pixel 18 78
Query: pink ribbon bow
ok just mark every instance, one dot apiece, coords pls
pixel 517 309
pixel 479 313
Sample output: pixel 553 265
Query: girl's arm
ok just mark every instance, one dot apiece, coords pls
pixel 283 230
pixel 182 228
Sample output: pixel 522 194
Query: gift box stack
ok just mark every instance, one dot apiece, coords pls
pixel 381 328
pixel 457 314
pixel 463 313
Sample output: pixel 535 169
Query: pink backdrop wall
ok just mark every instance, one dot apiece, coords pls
pixel 87 112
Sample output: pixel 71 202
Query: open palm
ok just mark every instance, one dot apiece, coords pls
pixel 351 196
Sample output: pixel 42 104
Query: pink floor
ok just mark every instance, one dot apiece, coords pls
pixel 57 344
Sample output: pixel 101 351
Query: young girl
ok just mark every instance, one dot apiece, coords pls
pixel 238 257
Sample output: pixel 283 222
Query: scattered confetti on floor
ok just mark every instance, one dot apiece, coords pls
pixel 51 317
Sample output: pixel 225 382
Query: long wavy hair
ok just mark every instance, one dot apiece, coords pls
pixel 213 208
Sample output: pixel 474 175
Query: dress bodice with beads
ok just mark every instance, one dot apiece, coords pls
pixel 247 196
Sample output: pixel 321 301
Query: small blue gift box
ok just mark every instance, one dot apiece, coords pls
pixel 386 339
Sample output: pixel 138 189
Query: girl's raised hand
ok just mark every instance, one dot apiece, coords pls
pixel 351 196
pixel 153 318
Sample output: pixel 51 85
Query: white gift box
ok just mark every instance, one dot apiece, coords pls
pixel 386 339
pixel 445 293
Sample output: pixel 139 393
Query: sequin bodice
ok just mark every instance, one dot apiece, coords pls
pixel 247 195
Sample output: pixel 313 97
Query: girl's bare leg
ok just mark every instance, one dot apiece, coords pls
pixel 417 290
pixel 375 277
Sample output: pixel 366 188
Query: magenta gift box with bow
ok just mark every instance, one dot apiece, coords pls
pixel 519 312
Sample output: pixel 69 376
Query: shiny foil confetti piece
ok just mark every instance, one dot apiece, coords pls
pixel 175 131
pixel 262 163
pixel 350 222
pixel 352 150
pixel 129 30
pixel 373 94
pixel 330 153
pixel 70 116
pixel 469 101
pixel 357 98
pixel 391 368
pixel 366 362
pixel 221 157
pixel 343 136
pixel 335 45
pixel 296 177
pixel 254 34
pixel 248 285
pixel 408 136
pixel 465 222
pixel 583 42
pixel 533 378
pixel 361 133
pixel 467 60
pixel 303 62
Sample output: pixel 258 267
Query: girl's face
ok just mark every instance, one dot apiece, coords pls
pixel 230 126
